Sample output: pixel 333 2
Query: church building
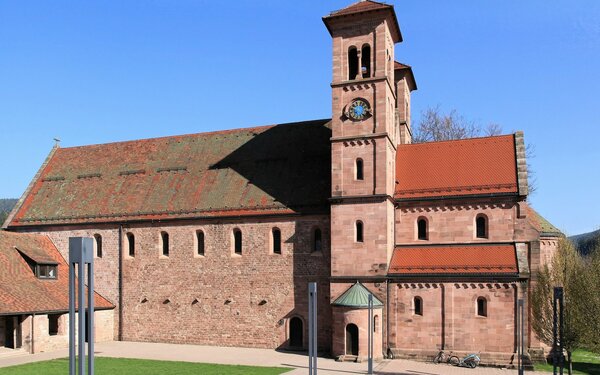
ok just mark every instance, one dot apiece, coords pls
pixel 212 238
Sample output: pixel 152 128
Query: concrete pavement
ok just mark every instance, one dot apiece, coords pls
pixel 298 362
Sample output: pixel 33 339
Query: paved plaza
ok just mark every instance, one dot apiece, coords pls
pixel 252 357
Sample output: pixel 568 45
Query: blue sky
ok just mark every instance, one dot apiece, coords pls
pixel 102 71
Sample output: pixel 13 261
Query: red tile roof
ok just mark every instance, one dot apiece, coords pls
pixel 278 169
pixel 472 259
pixel 20 290
pixel 399 65
pixel 408 69
pixel 473 166
pixel 363 6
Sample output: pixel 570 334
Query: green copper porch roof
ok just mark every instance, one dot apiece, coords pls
pixel 357 296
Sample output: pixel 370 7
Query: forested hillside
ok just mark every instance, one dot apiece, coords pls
pixel 585 242
pixel 6 205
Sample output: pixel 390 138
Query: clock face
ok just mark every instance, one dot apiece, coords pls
pixel 359 109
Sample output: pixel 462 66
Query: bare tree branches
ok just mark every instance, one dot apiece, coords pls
pixel 437 126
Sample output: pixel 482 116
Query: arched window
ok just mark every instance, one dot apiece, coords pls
pixel 164 239
pixel 199 242
pixel 481 224
pixel 98 241
pixel 376 323
pixel 422 230
pixel 481 306
pixel 131 244
pixel 359 231
pixel 352 63
pixel 359 170
pixel 418 302
pixel 317 240
pixel 365 61
pixel 276 238
pixel 237 241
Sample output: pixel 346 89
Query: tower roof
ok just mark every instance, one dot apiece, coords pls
pixel 357 296
pixel 412 83
pixel 365 6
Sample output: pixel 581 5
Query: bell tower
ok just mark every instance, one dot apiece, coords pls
pixel 364 137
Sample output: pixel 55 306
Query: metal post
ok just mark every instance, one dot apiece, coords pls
pixel 90 322
pixel 80 254
pixel 561 328
pixel 554 331
pixel 71 317
pixel 370 335
pixel 312 328
pixel 521 320
pixel 81 313
pixel 558 359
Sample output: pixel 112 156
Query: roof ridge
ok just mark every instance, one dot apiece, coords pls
pixel 458 140
pixel 209 133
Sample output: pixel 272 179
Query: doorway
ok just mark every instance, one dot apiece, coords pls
pixel 296 333
pixel 352 339
pixel 12 332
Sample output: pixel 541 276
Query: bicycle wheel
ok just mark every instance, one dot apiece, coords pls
pixel 438 358
pixel 454 361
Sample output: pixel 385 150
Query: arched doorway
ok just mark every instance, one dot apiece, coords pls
pixel 296 332
pixel 351 339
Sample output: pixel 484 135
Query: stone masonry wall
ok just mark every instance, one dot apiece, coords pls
pixel 455 222
pixel 220 298
pixel 450 320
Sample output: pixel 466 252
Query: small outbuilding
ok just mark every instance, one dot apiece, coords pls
pixel 34 297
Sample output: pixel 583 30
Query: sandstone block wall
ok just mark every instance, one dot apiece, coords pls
pixel 454 222
pixel 450 320
pixel 220 298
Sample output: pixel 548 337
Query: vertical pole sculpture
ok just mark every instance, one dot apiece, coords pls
pixel 561 328
pixel 522 334
pixel 90 309
pixel 312 328
pixel 80 254
pixel 370 335
pixel 554 332
pixel 558 307
pixel 71 315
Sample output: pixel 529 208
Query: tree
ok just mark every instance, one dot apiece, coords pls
pixel 437 126
pixel 566 270
pixel 590 303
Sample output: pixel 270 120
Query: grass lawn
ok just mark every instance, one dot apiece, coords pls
pixel 115 366
pixel 584 363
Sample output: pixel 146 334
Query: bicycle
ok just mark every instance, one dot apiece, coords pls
pixel 442 357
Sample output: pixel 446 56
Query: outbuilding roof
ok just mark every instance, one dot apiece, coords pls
pixel 21 291
pixel 468 259
pixel 356 296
